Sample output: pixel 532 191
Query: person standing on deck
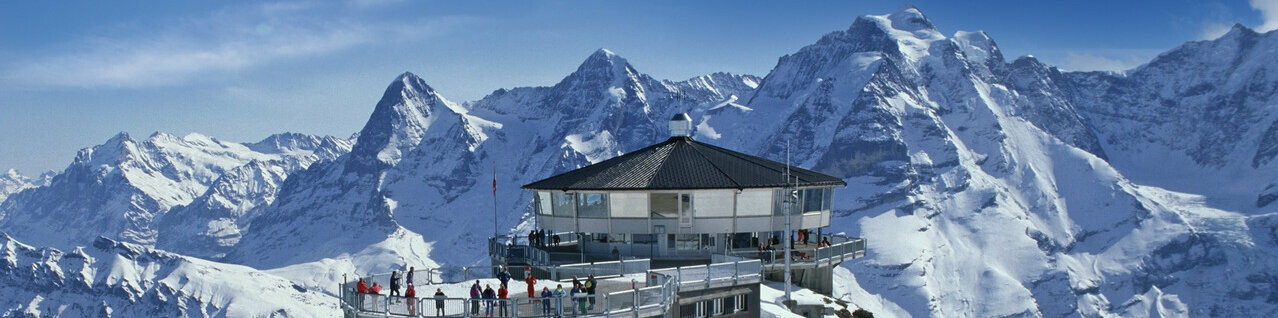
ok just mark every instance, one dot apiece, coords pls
pixel 439 302
pixel 545 300
pixel 578 299
pixel 489 296
pixel 411 294
pixel 409 278
pixel 475 293
pixel 394 283
pixel 590 289
pixel 559 300
pixel 502 301
pixel 532 286
pixel 504 276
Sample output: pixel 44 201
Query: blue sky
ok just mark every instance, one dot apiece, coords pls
pixel 72 74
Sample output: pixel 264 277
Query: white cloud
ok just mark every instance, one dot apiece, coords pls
pixel 1268 12
pixel 227 41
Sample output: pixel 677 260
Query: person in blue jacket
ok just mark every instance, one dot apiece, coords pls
pixel 545 300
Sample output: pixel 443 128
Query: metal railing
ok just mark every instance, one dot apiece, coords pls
pixel 656 297
pixel 841 248
pixel 715 275
pixel 652 299
pixel 610 268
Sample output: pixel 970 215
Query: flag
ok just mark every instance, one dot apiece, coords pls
pixel 494 181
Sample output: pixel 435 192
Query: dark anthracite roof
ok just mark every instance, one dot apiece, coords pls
pixel 682 163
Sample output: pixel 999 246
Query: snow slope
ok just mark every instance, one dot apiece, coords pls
pixel 114 279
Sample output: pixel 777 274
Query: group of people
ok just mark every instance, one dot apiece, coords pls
pixel 496 301
pixel 582 294
pixel 767 248
pixel 490 299
pixel 538 238
pixel 410 293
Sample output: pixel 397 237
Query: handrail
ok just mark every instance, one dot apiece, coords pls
pixel 842 248
pixel 658 296
pixel 745 266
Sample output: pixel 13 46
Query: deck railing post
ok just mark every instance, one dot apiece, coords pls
pixel 708 276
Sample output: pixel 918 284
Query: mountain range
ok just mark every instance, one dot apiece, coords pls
pixel 983 186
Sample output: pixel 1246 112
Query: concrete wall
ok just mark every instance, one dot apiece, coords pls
pixel 687 302
pixel 819 279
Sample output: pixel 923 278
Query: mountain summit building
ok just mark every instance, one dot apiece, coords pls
pixel 682 200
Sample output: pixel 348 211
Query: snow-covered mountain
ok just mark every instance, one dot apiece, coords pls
pixel 114 279
pixel 121 188
pixel 422 164
pixel 984 187
pixel 984 190
pixel 1199 118
pixel 13 182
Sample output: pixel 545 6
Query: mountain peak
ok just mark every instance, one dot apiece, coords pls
pixel 1238 30
pixel 603 59
pixel 602 67
pixel 121 136
pixel 603 52
pixel 910 18
pixel 406 109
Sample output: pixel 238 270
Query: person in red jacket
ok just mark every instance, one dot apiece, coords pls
pixel 532 286
pixel 411 294
pixel 502 303
pixel 361 287
pixel 375 289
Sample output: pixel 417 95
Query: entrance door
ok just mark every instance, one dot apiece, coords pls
pixel 685 209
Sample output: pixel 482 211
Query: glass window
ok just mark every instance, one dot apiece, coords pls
pixel 563 204
pixel 644 238
pixel 543 203
pixel 664 205
pixel 812 200
pixel 688 241
pixel 779 199
pixel 829 199
pixel 685 206
pixel 592 205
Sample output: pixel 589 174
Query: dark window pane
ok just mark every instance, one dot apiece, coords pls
pixel 812 200
pixel 592 205
pixel 563 204
pixel 664 205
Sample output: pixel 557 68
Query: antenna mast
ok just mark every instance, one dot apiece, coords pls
pixel 789 194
